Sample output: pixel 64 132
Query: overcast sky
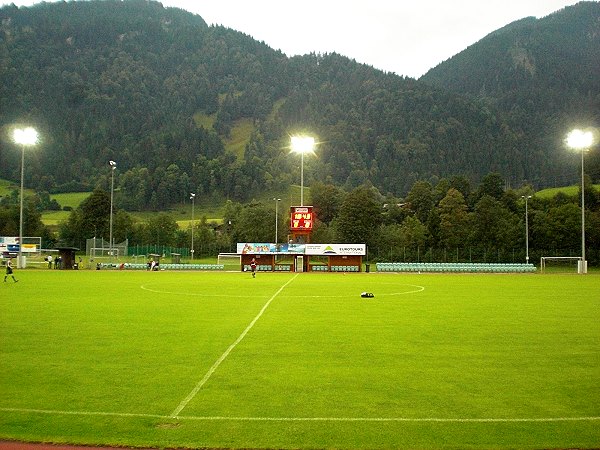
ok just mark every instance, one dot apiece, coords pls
pixel 405 37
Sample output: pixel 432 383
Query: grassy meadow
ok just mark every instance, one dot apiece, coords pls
pixel 5 187
pixel 567 190
pixel 223 360
pixel 70 199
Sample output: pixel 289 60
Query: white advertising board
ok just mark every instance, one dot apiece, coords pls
pixel 335 249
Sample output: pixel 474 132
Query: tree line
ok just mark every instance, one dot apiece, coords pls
pixel 451 220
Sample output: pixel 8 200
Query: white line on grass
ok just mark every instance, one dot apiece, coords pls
pixel 390 419
pixel 418 289
pixel 80 413
pixel 201 294
pixel 191 294
pixel 307 419
pixel 214 367
pixel 414 291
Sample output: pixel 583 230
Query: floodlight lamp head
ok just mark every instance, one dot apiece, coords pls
pixel 25 136
pixel 302 144
pixel 192 196
pixel 113 164
pixel 579 139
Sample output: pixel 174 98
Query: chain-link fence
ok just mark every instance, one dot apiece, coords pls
pixel 475 254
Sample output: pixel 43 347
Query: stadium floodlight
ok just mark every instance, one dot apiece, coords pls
pixel 526 197
pixel 192 198
pixel 277 200
pixel 581 140
pixel 113 166
pixel 302 145
pixel 25 137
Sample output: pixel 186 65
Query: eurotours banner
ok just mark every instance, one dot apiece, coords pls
pixel 247 248
pixel 335 249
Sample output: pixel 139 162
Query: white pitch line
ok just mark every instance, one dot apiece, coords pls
pixel 200 294
pixel 390 419
pixel 308 419
pixel 378 294
pixel 214 367
pixel 80 413
pixel 192 294
pixel 418 289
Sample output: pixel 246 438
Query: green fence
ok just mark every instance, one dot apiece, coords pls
pixel 475 254
pixel 456 267
pixel 163 250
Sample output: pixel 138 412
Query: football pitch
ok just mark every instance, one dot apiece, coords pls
pixel 298 361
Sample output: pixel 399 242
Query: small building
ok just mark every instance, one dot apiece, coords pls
pixel 67 259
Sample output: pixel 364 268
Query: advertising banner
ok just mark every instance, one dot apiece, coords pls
pixel 9 244
pixel 248 248
pixel 335 249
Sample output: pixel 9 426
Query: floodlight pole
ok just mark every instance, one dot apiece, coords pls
pixel 277 200
pixel 113 166
pixel 302 144
pixel 526 197
pixel 302 179
pixel 581 140
pixel 20 258
pixel 192 198
pixel 583 261
pixel 24 137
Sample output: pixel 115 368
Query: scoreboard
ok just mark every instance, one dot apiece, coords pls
pixel 301 218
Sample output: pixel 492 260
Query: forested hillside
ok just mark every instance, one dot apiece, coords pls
pixel 165 95
pixel 542 76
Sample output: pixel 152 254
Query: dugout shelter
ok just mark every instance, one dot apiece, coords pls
pixel 67 257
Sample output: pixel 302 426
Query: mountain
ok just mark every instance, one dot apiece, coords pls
pixel 186 107
pixel 542 76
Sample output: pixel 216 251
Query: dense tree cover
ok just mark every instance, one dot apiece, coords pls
pixel 32 216
pixel 359 216
pixel 159 91
pixel 436 222
pixel 122 80
pixel 542 76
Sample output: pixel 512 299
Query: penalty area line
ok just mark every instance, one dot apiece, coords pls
pixel 222 358
pixel 306 419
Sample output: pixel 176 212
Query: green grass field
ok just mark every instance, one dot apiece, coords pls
pixel 189 360
pixel 567 190
pixel 71 199
pixel 5 187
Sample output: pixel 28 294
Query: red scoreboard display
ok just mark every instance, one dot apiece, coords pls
pixel 301 218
